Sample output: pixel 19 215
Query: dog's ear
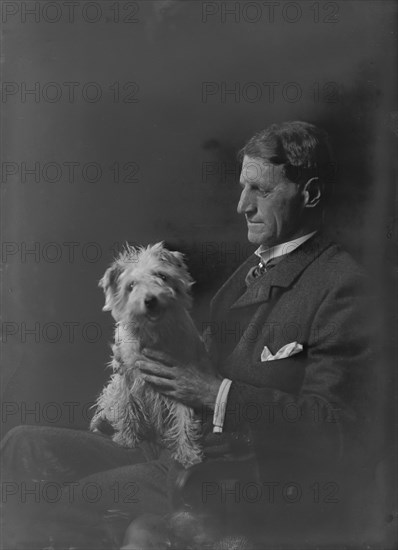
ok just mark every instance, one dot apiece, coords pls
pixel 172 257
pixel 178 259
pixel 109 284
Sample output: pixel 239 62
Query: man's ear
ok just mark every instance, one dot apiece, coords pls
pixel 109 284
pixel 312 192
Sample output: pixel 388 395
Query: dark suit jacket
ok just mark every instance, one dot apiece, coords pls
pixel 317 400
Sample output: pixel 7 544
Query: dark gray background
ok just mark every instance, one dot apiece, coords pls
pixel 170 132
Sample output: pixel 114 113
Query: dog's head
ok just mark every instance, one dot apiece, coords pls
pixel 145 282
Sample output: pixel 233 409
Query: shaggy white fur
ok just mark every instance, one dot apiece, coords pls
pixel 148 292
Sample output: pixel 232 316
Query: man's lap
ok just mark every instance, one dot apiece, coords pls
pixel 68 476
pixel 67 453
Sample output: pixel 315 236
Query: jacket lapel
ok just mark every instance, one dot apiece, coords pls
pixel 233 287
pixel 283 274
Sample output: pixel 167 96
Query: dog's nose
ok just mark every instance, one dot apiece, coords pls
pixel 150 302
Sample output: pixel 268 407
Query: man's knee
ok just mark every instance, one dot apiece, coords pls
pixel 14 436
pixel 19 444
pixel 20 435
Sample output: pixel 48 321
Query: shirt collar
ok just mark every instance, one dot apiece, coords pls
pixel 270 253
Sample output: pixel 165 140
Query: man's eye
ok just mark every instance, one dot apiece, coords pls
pixel 161 276
pixel 130 287
pixel 259 190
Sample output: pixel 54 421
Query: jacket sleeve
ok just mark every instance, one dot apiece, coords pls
pixel 328 412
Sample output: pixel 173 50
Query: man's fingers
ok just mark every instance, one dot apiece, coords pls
pixel 159 382
pixel 157 355
pixel 156 369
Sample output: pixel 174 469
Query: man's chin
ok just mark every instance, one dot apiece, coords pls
pixel 258 238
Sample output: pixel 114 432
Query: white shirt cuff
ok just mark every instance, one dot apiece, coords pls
pixel 220 406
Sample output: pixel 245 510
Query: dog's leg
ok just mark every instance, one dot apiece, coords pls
pixel 123 409
pixel 182 435
pixel 112 400
pixel 134 423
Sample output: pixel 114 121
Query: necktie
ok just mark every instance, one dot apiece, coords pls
pixel 260 269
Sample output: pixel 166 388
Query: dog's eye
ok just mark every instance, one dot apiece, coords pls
pixel 130 287
pixel 161 276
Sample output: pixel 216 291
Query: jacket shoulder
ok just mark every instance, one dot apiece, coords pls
pixel 336 259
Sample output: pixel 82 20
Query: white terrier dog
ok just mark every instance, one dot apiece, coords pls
pixel 148 292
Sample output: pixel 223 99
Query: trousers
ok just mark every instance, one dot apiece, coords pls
pixel 60 483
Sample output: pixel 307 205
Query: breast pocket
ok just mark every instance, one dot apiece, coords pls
pixel 285 374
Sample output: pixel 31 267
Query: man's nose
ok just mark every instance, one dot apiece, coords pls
pixel 245 204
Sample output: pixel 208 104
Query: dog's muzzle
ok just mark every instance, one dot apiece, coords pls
pixel 153 308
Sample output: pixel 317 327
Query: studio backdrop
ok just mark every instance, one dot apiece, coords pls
pixel 122 122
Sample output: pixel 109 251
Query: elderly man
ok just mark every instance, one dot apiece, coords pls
pixel 290 338
pixel 290 387
pixel 299 301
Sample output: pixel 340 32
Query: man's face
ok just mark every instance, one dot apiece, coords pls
pixel 273 205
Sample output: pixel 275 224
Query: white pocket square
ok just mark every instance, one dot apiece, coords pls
pixel 285 351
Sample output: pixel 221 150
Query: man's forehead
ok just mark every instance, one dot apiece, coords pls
pixel 259 170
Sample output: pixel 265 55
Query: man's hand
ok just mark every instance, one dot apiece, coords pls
pixel 191 384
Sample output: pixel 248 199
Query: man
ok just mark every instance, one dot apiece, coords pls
pixel 298 288
pixel 290 386
pixel 289 335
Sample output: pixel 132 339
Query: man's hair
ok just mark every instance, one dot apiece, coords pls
pixel 300 147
